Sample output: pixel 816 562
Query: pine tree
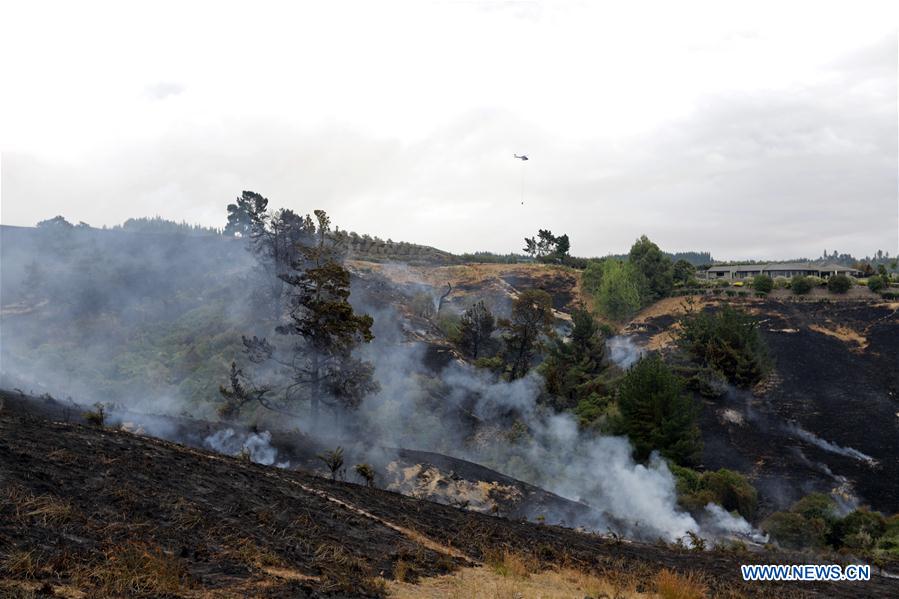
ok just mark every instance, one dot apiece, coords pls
pixel 656 268
pixel 656 414
pixel 531 319
pixel 476 329
pixel 323 330
pixel 572 367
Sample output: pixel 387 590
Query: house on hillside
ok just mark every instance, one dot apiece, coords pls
pixel 738 272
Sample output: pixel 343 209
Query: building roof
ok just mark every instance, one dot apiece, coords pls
pixel 781 266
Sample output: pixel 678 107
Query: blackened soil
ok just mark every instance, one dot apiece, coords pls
pixel 241 529
pixel 558 285
pixel 844 391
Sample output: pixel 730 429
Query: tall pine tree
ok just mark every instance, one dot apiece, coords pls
pixel 656 414
pixel 323 330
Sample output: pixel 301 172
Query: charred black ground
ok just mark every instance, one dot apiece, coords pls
pixel 835 376
pixel 88 508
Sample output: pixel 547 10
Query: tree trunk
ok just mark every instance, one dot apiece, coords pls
pixel 315 387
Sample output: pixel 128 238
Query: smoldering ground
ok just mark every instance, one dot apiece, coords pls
pixel 151 323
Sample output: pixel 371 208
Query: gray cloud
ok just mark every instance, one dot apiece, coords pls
pixel 775 173
pixel 163 90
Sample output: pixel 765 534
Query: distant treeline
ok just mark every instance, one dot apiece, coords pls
pixel 694 258
pixel 157 224
pixel 144 224
pixel 492 258
pixel 379 249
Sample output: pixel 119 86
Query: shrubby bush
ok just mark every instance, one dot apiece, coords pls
pixel 813 523
pixel 763 283
pixel 888 544
pixel 781 282
pixel 859 530
pixel 876 283
pixel 792 531
pixel 839 284
pixel 591 278
pixel 618 296
pixel 815 281
pixel 801 285
pixel 727 341
pixel 727 488
pixel 449 324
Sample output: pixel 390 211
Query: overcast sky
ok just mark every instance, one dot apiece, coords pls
pixel 749 129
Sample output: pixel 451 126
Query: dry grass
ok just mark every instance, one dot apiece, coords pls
pixel 343 571
pixel 843 333
pixel 487 584
pixel 187 515
pixel 400 570
pixel 674 306
pixel 45 510
pixel 136 568
pixel 671 585
pixel 20 564
pixel 251 554
pixel 507 563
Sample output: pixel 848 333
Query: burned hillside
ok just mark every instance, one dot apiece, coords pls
pixel 89 510
pixel 825 419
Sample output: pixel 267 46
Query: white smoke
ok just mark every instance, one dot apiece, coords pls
pixel 257 445
pixel 623 351
pixel 720 522
pixel 631 498
pixel 814 439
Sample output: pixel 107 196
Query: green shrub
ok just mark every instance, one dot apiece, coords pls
pixel 888 544
pixel 97 416
pixel 812 522
pixel 781 282
pixel 839 284
pixel 801 285
pixel 727 488
pixel 450 325
pixel 656 414
pixel 619 294
pixel 763 283
pixel 732 491
pixel 815 281
pixel 727 341
pixel 591 409
pixel 876 283
pixel 422 304
pixel 859 530
pixel 494 363
pixel 591 278
pixel 794 531
pixel 816 505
